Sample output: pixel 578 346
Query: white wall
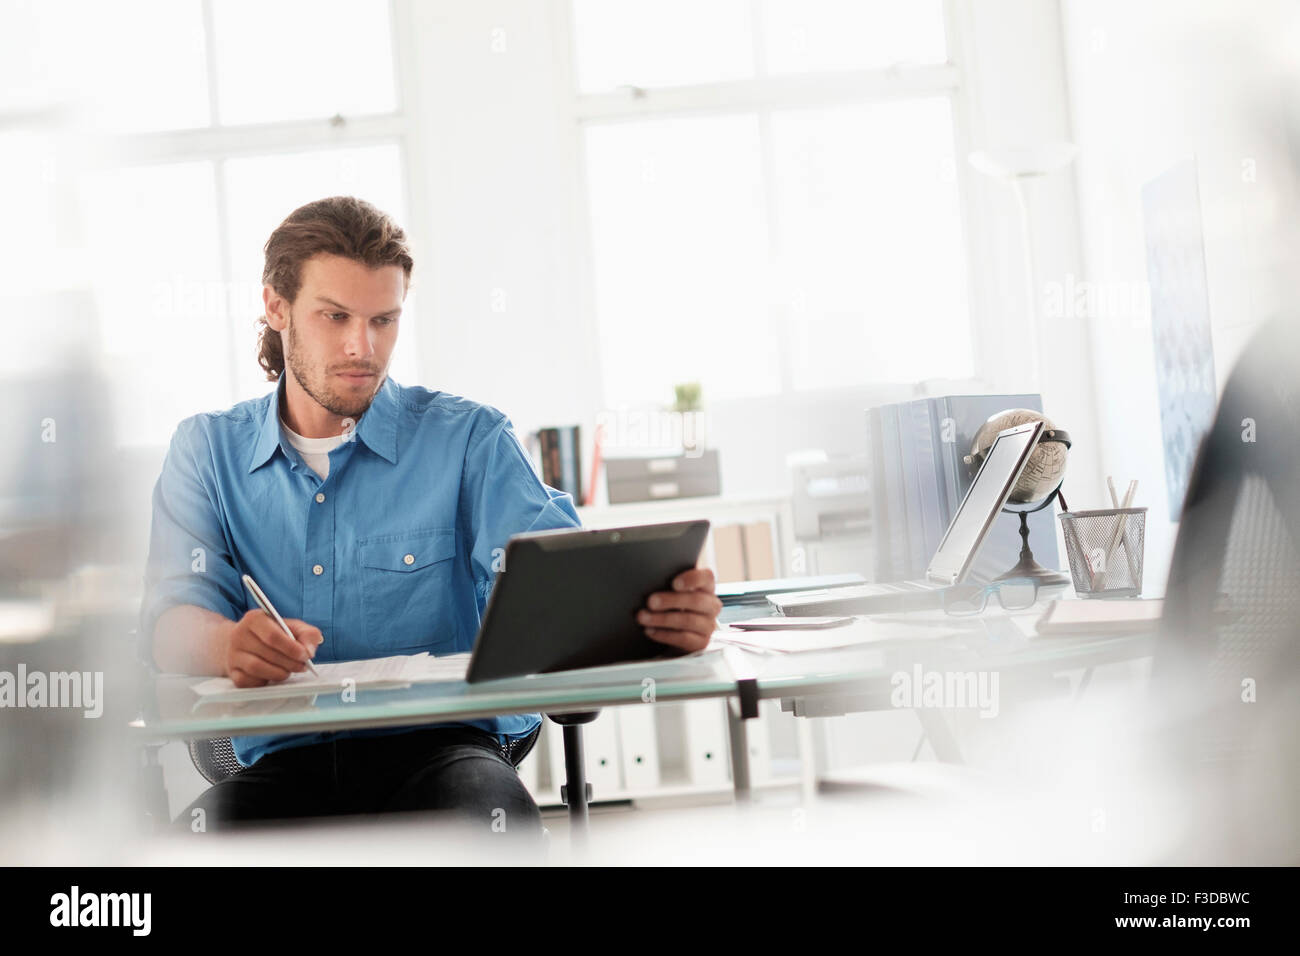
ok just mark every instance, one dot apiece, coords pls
pixel 492 183
pixel 1150 84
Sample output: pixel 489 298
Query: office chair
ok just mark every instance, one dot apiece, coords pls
pixel 1226 674
pixel 215 758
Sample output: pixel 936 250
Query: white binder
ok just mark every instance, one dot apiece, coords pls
pixel 707 757
pixel 639 747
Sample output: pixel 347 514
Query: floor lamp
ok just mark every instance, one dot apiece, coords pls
pixel 1022 168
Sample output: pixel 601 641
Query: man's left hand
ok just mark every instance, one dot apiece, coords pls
pixel 686 616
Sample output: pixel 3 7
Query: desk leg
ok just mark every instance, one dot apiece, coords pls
pixel 153 788
pixel 738 737
pixel 1084 681
pixel 575 790
pixel 939 734
pixel 809 735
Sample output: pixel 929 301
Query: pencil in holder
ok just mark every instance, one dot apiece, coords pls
pixel 1105 549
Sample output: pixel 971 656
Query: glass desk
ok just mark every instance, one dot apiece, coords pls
pixel 834 682
pixel 175 713
pixel 808 683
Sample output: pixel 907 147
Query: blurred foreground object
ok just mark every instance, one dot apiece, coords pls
pixel 1227 671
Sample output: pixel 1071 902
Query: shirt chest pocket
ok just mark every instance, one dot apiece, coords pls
pixel 407 590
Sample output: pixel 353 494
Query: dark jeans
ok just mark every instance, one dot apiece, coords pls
pixel 458 773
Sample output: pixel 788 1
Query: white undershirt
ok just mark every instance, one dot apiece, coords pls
pixel 315 451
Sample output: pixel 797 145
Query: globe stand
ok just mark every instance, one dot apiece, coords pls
pixel 1027 567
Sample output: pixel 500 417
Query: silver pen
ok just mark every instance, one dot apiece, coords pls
pixel 265 603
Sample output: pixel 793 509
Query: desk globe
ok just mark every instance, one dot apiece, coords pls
pixel 1038 486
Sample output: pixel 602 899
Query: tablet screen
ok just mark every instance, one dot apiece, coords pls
pixel 1002 466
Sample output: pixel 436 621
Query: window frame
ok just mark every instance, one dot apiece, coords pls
pixel 217 143
pixel 761 96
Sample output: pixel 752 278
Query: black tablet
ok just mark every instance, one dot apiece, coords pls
pixel 569 599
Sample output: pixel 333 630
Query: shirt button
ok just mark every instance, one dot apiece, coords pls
pixel 318 570
pixel 320 496
pixel 409 559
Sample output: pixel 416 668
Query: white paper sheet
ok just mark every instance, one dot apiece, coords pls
pixel 398 671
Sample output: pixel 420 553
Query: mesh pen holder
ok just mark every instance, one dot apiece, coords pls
pixel 1105 548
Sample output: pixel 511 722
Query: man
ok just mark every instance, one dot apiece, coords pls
pixel 370 514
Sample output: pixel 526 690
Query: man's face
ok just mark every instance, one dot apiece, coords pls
pixel 339 332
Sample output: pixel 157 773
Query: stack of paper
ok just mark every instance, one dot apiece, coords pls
pixel 864 630
pixel 399 671
pixel 1100 616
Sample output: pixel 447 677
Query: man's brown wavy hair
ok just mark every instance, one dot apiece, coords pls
pixel 341 226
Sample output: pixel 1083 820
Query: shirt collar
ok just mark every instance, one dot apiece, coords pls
pixel 377 429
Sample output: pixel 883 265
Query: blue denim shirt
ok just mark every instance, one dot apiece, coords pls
pixel 393 553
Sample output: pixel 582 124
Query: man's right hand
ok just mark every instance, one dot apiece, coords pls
pixel 258 652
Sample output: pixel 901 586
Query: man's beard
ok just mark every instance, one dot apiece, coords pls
pixel 334 404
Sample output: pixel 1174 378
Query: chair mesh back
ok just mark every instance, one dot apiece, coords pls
pixel 1230 618
pixel 516 749
pixel 1254 629
pixel 215 759
pixel 1259 581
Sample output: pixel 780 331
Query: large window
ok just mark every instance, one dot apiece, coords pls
pixel 223 116
pixel 772 195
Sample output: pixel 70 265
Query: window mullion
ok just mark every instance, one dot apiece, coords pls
pixel 210 56
pixel 805 89
pixel 778 306
pixel 224 266
pixel 227 273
